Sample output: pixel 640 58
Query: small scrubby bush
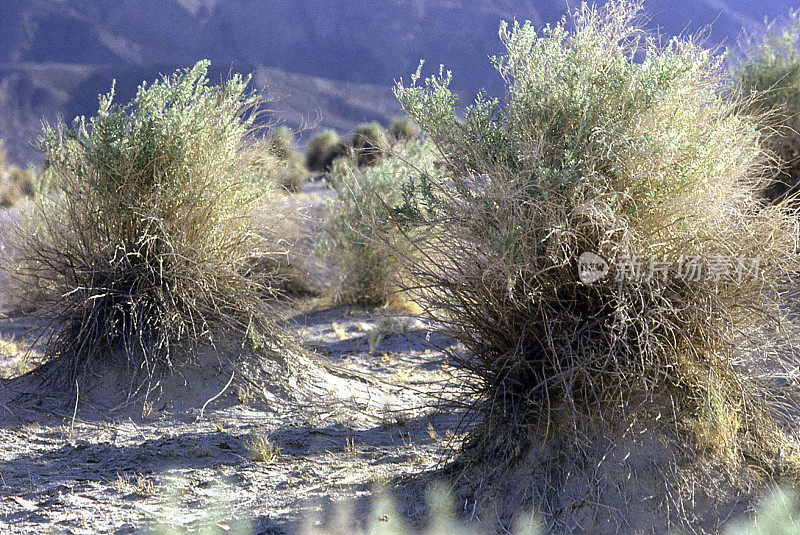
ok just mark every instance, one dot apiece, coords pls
pixel 323 149
pixel 613 145
pixel 291 173
pixel 278 161
pixel 16 184
pixel 767 78
pixel 280 142
pixel 262 449
pixel 139 258
pixel 369 143
pixel 287 171
pixel 24 179
pixel 10 194
pixel 341 167
pixel 363 219
pixel 403 129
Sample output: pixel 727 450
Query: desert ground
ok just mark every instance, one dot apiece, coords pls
pixel 185 346
pixel 182 459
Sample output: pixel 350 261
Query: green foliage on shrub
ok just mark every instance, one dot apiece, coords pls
pixel 369 143
pixel 403 129
pixel 366 220
pixel 140 256
pixel 323 149
pixel 767 79
pixel 609 143
pixel 341 167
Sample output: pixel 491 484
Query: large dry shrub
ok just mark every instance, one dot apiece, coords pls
pixel 139 257
pixel 612 144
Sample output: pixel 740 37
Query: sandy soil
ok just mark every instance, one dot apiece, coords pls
pixel 183 459
pixel 94 469
pixel 373 417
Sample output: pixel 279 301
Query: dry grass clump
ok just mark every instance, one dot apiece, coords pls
pixel 137 484
pixel 323 149
pixel 16 358
pixel 362 227
pixel 291 173
pixel 24 180
pixel 403 129
pixel 369 143
pixel 767 77
pixel 262 449
pixel 341 167
pixel 611 144
pixel 10 195
pixel 140 257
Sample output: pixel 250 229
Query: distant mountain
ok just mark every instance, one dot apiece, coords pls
pixel 351 41
pixel 360 41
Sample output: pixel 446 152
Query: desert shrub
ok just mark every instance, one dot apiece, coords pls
pixel 403 129
pixel 766 76
pixel 17 184
pixel 341 167
pixel 280 142
pixel 365 222
pixel 292 173
pixel 261 448
pixel 10 194
pixel 616 150
pixel 139 259
pixel 287 171
pixel 24 179
pixel 323 149
pixel 279 162
pixel 369 143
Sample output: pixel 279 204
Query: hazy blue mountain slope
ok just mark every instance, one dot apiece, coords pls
pixel 349 41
